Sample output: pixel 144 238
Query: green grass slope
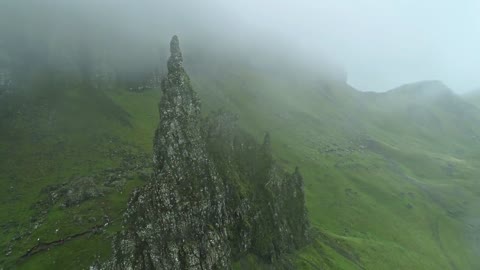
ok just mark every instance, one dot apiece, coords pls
pixel 391 178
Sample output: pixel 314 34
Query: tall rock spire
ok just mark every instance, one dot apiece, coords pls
pixel 178 220
pixel 176 74
pixel 175 62
pixel 215 195
pixel 178 132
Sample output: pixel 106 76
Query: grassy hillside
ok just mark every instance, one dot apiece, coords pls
pixel 390 178
pixel 388 187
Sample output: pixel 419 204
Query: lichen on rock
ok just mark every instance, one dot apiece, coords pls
pixel 216 195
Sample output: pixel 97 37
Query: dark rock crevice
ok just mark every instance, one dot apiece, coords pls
pixel 42 246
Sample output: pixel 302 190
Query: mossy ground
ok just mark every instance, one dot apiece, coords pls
pixel 386 189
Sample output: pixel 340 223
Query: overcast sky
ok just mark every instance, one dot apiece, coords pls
pixel 381 43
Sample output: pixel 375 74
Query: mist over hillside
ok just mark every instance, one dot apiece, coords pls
pixel 119 39
pixel 239 135
pixel 345 34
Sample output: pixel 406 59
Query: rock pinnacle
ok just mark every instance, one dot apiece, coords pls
pixel 175 62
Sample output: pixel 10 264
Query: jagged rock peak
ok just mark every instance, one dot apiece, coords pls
pixel 267 145
pixel 177 137
pixel 297 170
pixel 175 62
pixel 266 139
pixel 216 195
pixel 177 82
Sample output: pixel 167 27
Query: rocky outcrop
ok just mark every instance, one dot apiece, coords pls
pixel 6 83
pixel 216 195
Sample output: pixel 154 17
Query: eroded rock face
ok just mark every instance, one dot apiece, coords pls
pixel 265 204
pixel 215 195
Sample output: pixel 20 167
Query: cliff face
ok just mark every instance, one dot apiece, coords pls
pixel 216 195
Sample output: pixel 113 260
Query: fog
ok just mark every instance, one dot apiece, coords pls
pixel 380 44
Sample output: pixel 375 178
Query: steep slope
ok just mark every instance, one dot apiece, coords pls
pixel 429 111
pixel 473 97
pixel 377 168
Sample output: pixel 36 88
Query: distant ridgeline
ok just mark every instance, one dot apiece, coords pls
pixel 216 195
